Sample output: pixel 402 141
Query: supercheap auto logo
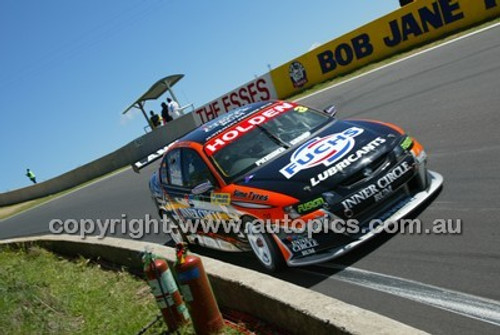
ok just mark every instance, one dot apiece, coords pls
pixel 321 150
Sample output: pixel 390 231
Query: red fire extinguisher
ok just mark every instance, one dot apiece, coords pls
pixel 197 293
pixel 166 292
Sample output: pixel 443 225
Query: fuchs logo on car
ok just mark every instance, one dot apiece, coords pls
pixel 326 150
pixel 345 163
pixel 297 74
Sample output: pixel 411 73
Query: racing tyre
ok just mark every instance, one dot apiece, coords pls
pixel 264 247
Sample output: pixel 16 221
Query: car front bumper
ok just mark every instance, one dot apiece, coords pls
pixel 410 204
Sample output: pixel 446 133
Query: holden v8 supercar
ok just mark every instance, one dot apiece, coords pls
pixel 300 186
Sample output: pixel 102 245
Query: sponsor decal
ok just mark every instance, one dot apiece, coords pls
pixel 303 243
pixel 150 158
pixel 223 199
pixel 225 120
pixel 197 213
pixel 189 199
pixel 407 143
pixel 352 158
pixel 300 138
pixel 489 4
pixel 378 190
pixel 308 252
pixel 298 75
pixel 344 54
pixel 301 109
pixel 198 189
pixel 246 125
pixel 321 150
pixel 412 25
pixel 250 195
pixel 270 156
pixel 310 205
pixel 260 89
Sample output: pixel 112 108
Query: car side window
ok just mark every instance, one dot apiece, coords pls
pixel 174 167
pixel 194 169
pixel 163 171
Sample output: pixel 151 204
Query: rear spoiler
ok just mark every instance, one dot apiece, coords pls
pixel 142 163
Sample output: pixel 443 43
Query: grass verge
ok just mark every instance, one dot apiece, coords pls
pixel 11 210
pixel 41 293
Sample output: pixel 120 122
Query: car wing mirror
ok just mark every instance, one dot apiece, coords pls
pixel 331 110
pixel 202 188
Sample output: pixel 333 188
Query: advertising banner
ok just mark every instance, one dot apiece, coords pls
pixel 259 89
pixel 417 23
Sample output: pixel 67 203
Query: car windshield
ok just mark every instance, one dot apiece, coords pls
pixel 267 140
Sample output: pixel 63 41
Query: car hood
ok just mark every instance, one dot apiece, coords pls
pixel 326 160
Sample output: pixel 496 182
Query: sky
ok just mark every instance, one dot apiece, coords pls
pixel 69 68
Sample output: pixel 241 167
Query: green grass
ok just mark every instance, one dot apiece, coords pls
pixel 389 60
pixel 43 294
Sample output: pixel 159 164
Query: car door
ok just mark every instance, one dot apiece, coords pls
pixel 184 177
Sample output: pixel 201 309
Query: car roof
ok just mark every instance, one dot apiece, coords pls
pixel 213 127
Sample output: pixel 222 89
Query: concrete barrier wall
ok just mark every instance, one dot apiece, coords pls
pixel 128 154
pixel 288 306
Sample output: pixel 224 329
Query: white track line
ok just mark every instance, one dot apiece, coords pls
pixel 402 60
pixel 76 189
pixel 485 310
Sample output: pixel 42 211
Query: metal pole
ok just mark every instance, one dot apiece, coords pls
pixel 171 93
pixel 141 107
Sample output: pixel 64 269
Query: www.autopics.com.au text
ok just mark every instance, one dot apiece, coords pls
pixel 138 228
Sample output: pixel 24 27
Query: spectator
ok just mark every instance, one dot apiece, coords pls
pixel 173 108
pixel 155 119
pixel 165 114
pixel 31 175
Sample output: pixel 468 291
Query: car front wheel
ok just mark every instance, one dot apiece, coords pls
pixel 264 247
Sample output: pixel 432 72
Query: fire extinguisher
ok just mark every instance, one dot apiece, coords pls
pixel 166 292
pixel 197 293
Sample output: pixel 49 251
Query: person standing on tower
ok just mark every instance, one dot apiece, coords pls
pixel 173 108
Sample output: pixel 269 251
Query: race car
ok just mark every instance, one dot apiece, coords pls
pixel 295 185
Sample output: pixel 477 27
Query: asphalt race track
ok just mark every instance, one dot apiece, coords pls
pixel 449 99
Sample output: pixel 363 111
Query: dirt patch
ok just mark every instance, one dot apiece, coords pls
pixel 13 209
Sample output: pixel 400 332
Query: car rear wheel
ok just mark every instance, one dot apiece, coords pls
pixel 264 247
